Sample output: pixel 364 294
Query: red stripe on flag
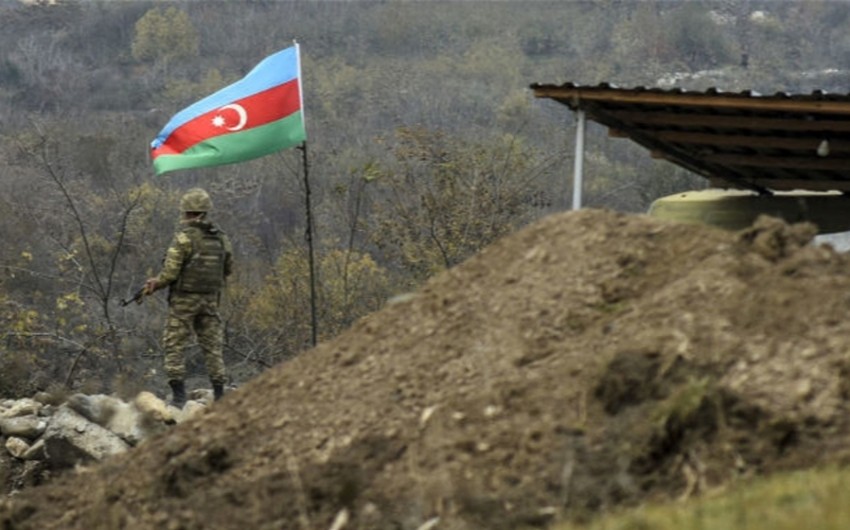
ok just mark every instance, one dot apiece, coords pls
pixel 261 108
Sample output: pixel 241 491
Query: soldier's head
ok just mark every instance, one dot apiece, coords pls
pixel 195 203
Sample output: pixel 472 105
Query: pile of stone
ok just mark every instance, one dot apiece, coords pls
pixel 40 438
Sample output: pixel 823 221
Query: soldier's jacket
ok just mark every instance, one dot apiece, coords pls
pixel 198 259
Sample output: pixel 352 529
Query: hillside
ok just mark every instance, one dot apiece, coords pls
pixel 426 146
pixel 589 361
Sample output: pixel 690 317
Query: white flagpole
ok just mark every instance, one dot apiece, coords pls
pixel 578 166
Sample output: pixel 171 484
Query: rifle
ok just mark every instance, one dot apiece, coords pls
pixel 136 297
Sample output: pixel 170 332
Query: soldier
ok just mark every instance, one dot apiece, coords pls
pixel 195 267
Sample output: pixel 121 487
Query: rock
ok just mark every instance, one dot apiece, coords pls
pixel 153 408
pixel 36 451
pixel 71 438
pixel 29 427
pixel 6 466
pixel 125 421
pixel 86 428
pixel 204 395
pixel 190 410
pixel 21 407
pixel 17 446
pixel 98 408
pixel 32 473
pixel 132 422
pixel 44 398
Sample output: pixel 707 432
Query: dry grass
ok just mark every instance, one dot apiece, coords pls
pixel 814 499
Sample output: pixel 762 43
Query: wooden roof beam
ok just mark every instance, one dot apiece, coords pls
pixel 576 97
pixel 667 119
pixel 790 162
pixel 745 141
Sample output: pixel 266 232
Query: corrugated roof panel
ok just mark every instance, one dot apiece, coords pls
pixel 737 140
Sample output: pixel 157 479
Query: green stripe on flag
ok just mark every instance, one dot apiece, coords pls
pixel 238 146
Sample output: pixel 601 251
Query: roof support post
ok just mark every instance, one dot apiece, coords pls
pixel 578 162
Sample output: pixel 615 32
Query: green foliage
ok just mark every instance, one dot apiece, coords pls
pixel 643 45
pixel 72 275
pixel 697 38
pixel 165 35
pixel 16 373
pixel 352 285
pixel 547 36
pixel 444 199
pixel 278 315
pixel 10 73
pixel 92 157
pixel 146 224
pixel 181 91
pixel 19 348
pixel 338 87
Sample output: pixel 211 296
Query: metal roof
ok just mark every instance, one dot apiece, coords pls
pixel 736 140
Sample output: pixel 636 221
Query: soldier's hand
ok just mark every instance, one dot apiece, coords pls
pixel 151 286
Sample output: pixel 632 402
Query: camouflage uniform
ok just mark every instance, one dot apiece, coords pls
pixel 193 300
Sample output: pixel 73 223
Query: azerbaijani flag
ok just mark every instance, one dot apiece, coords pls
pixel 255 116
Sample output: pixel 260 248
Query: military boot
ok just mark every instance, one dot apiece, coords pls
pixel 218 390
pixel 178 393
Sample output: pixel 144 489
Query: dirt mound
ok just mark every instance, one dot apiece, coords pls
pixel 589 361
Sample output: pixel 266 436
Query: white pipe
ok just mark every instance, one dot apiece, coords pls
pixel 578 167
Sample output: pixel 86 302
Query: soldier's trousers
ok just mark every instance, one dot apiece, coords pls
pixel 194 314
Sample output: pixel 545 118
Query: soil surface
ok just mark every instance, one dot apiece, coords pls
pixel 593 360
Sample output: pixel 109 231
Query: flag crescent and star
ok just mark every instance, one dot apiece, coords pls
pixel 219 121
pixel 258 115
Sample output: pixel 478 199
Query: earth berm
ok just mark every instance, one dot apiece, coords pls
pixel 590 361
